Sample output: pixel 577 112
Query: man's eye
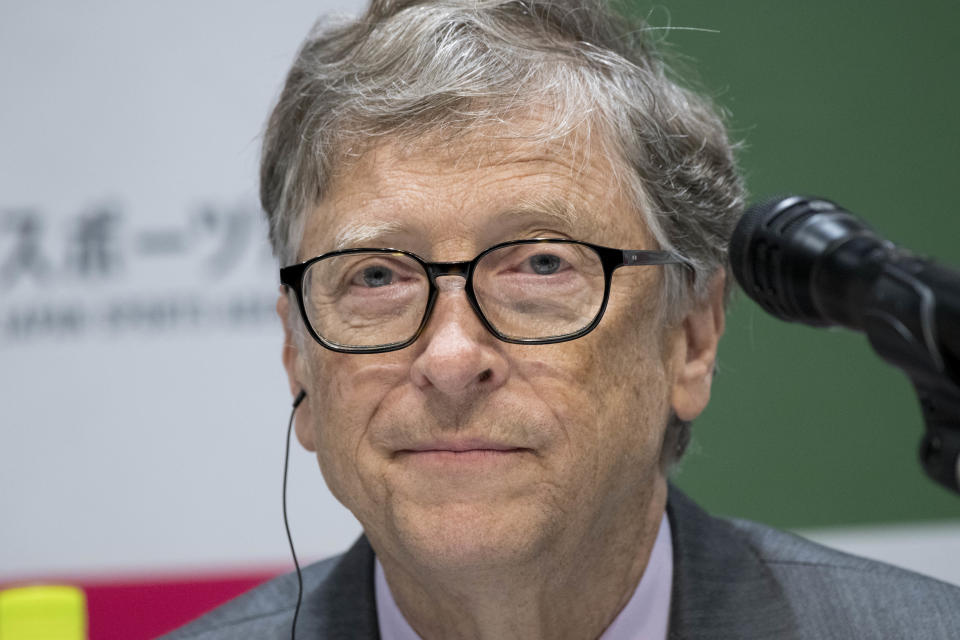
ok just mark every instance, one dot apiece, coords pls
pixel 376 276
pixel 544 264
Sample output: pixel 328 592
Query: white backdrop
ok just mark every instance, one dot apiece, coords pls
pixel 142 401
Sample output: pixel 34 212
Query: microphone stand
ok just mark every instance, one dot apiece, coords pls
pixel 912 320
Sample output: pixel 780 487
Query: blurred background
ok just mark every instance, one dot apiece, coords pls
pixel 142 402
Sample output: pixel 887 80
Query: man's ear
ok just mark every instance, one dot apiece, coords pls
pixel 697 352
pixel 293 362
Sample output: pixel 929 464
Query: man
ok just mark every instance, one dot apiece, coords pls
pixel 504 236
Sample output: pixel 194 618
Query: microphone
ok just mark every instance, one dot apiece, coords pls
pixel 808 260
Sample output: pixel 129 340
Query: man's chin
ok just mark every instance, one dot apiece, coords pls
pixel 469 535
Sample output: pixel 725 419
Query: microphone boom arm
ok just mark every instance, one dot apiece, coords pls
pixel 912 320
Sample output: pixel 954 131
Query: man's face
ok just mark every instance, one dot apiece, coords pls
pixel 462 451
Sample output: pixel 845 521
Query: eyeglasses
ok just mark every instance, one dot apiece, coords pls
pixel 537 291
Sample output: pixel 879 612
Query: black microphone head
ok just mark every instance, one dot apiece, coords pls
pixel 777 253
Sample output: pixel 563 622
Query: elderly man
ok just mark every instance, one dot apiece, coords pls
pixel 503 231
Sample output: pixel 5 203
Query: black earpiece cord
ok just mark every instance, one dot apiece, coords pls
pixel 286 521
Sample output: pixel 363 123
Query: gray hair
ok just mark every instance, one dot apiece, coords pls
pixel 407 68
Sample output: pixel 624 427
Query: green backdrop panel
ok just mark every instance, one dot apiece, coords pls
pixel 856 102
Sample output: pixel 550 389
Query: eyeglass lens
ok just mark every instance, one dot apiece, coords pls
pixel 525 291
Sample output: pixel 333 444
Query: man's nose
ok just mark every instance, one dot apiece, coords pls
pixel 458 355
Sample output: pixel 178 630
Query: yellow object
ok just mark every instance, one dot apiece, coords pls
pixel 43 613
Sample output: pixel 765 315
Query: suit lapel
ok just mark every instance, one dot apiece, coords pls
pixel 721 587
pixel 342 607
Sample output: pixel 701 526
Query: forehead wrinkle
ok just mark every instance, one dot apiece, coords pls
pixel 356 233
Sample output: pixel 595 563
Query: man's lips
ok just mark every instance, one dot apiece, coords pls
pixel 461 455
pixel 461 446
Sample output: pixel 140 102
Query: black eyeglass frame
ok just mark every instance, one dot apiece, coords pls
pixel 611 260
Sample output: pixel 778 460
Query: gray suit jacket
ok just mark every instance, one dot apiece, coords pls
pixel 732 579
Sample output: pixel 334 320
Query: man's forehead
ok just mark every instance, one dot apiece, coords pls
pixel 537 131
pixel 567 184
pixel 435 153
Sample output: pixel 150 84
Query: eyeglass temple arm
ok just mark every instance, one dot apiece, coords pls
pixel 641 257
pixel 290 275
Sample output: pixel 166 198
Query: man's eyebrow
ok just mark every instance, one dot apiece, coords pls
pixel 556 209
pixel 357 233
